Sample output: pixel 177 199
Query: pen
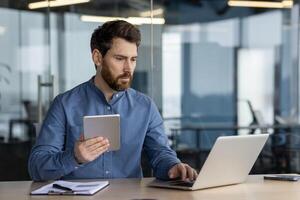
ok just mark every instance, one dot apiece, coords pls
pixel 57 186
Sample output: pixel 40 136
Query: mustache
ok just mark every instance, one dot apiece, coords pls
pixel 124 75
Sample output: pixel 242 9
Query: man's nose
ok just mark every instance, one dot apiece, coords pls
pixel 128 65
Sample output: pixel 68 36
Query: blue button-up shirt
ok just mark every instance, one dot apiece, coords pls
pixel 52 157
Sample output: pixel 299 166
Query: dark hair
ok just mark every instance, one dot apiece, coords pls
pixel 102 36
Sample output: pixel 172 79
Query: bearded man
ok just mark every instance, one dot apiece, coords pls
pixel 61 151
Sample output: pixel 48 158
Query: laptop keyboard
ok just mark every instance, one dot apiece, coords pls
pixel 182 183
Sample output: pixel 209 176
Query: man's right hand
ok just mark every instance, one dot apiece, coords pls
pixel 88 150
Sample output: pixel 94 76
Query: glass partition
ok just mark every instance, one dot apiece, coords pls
pixel 24 56
pixel 227 69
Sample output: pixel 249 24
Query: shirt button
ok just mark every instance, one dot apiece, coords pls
pixel 108 108
pixel 107 172
pixel 76 167
pixel 117 95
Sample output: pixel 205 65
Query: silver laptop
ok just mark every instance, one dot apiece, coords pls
pixel 229 162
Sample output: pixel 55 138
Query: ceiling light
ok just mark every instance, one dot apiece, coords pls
pixel 133 20
pixel 261 4
pixel 90 18
pixel 155 12
pixel 55 3
pixel 145 20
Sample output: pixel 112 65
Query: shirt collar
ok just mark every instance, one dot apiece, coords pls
pixel 115 96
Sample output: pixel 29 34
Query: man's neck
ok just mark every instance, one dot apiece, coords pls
pixel 104 87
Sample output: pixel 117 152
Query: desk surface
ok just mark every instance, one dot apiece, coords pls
pixel 129 189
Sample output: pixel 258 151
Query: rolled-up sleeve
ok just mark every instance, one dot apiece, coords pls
pixel 156 146
pixel 48 159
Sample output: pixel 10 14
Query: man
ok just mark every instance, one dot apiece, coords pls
pixel 61 152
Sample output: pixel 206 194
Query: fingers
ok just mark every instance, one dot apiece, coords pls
pixel 190 172
pixel 100 150
pixel 92 141
pixel 173 173
pixel 94 146
pixel 177 170
pixel 88 150
pixel 195 174
pixel 183 171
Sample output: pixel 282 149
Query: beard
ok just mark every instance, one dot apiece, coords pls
pixel 115 83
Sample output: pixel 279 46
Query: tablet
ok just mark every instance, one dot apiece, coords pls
pixel 107 126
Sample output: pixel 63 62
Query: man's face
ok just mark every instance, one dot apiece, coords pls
pixel 118 64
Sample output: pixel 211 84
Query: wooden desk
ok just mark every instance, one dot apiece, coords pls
pixel 128 189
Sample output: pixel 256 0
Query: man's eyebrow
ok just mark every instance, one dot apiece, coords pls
pixel 118 55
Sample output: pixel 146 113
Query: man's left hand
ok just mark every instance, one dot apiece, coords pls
pixel 184 171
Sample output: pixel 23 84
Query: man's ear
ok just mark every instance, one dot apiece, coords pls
pixel 97 57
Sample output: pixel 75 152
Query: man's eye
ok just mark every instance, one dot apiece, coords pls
pixel 119 58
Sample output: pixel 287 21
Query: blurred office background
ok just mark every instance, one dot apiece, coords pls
pixel 213 67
